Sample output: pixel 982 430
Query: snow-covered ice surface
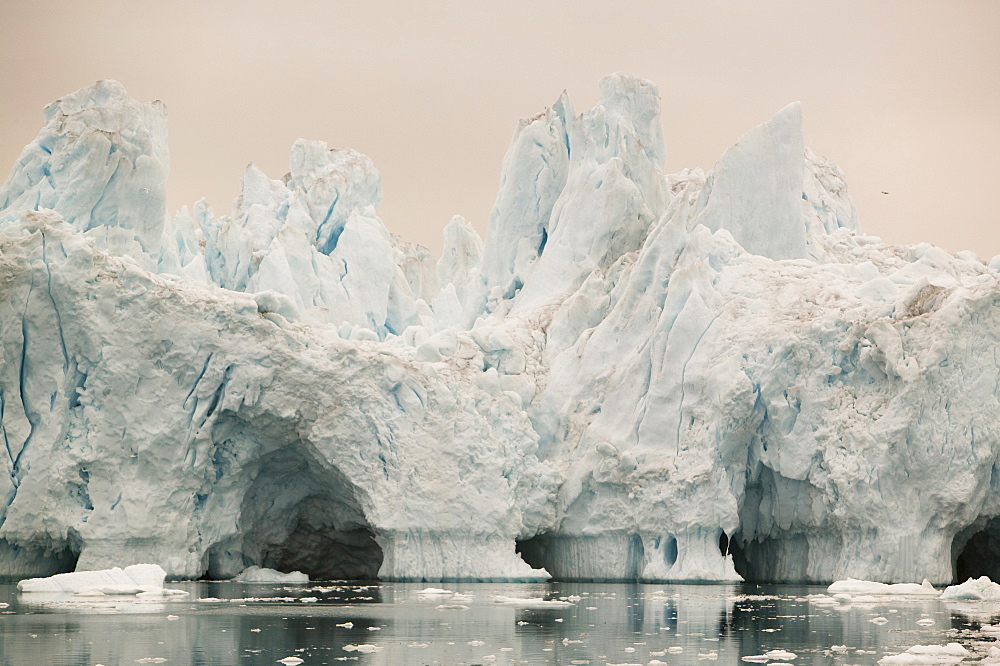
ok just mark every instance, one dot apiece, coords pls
pixel 636 376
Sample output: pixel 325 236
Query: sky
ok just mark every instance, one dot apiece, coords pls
pixel 903 95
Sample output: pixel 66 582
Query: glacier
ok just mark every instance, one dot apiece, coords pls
pixel 635 376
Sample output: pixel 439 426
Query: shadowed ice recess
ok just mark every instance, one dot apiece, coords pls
pixel 636 376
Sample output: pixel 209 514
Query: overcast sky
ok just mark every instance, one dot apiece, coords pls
pixel 904 96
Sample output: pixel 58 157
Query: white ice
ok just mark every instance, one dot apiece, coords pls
pixel 255 574
pixel 978 589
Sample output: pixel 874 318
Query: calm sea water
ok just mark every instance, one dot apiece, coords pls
pixel 607 624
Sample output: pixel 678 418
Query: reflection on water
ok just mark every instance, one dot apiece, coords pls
pixel 228 623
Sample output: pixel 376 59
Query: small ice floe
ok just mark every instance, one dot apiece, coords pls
pixel 162 592
pixel 657 662
pixel 434 593
pixel 364 648
pixel 992 629
pixel 374 628
pixel 925 622
pixel 446 607
pixel 840 649
pixel 309 600
pixel 756 659
pixel 151 660
pixel 346 625
pixel 174 617
pixel 978 589
pixel 144 579
pixel 675 649
pixel 711 655
pixel 952 653
pixel 534 603
pixel 462 597
pixel 418 645
pixel 878 620
pixel 476 643
pixel 779 655
pixel 290 661
pixel 255 574
pixel 854 586
pixel 821 600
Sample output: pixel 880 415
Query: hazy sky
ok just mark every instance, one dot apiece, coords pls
pixel 904 96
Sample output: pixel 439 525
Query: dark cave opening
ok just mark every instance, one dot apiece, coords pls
pixel 533 550
pixel 585 558
pixel 38 560
pixel 300 515
pixel 976 551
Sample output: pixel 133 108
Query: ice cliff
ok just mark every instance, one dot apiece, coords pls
pixel 636 376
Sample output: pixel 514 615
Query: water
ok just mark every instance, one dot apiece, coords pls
pixel 608 624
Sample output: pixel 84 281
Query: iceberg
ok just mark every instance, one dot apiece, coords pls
pixel 635 376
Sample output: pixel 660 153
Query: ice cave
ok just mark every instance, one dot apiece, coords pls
pixel 635 376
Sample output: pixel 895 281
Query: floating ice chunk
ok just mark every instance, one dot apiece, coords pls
pixel 675 649
pixel 151 660
pixel 255 574
pixel 290 661
pixel 435 592
pixel 174 617
pixel 451 607
pixel 952 653
pixel 710 655
pixel 854 586
pixel 878 620
pixel 782 655
pixel 536 603
pixel 363 648
pixel 925 622
pixel 979 589
pixel 757 658
pixel 136 578
pixel 346 625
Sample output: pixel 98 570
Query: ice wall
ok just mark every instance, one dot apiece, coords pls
pixel 637 376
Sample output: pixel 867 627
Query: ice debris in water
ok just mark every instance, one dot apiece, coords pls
pixel 853 586
pixel 363 648
pixel 536 603
pixel 952 653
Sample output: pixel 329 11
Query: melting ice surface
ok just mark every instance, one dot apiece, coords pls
pixel 401 623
